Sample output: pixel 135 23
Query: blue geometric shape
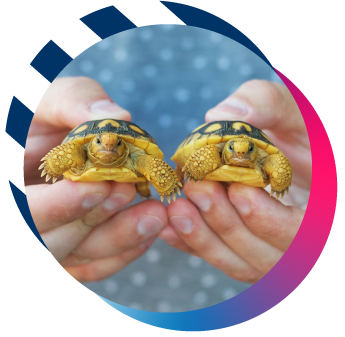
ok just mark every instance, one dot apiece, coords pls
pixel 107 21
pixel 192 16
pixel 22 203
pixel 18 121
pixel 50 61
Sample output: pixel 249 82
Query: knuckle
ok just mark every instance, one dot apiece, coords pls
pixel 91 273
pixel 248 275
pixel 226 229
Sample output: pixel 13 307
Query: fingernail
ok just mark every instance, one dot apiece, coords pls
pixel 92 200
pixel 201 200
pixel 106 109
pixel 115 201
pixel 229 109
pixel 182 223
pixel 149 225
pixel 241 202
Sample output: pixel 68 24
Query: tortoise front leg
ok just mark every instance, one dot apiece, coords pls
pixel 160 174
pixel 179 174
pixel 63 158
pixel 279 169
pixel 202 162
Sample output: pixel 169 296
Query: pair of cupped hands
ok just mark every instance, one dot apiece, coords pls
pixel 242 231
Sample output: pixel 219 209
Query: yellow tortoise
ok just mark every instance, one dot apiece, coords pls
pixel 233 151
pixel 110 149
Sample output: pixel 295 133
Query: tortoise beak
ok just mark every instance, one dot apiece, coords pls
pixel 240 155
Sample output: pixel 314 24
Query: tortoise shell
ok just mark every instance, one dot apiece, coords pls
pixel 128 131
pixel 220 132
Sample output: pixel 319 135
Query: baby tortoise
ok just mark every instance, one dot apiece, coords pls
pixel 233 151
pixel 110 149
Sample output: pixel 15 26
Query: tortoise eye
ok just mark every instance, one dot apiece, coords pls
pixel 251 148
pixel 98 141
pixel 231 147
pixel 119 142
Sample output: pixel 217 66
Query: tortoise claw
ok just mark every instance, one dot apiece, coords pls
pixel 178 183
pixel 43 172
pixel 48 177
pixel 43 159
pixel 178 191
pixel 277 195
pixel 188 176
pixel 54 179
pixel 169 199
pixel 173 196
pixel 41 166
pixel 162 198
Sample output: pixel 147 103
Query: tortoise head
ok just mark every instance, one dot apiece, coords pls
pixel 240 152
pixel 107 147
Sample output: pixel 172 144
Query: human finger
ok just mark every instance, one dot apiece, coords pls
pixel 195 232
pixel 70 101
pixel 267 105
pixel 124 231
pixel 221 216
pixel 266 217
pixel 63 202
pixel 64 239
pixel 91 271
pixel 169 235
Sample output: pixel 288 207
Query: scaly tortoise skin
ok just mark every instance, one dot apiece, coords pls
pixel 110 149
pixel 233 151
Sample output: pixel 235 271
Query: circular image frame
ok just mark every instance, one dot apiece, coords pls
pixel 311 238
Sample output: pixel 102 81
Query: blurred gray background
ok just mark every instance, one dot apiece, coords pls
pixel 167 77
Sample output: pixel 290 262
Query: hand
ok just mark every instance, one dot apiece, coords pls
pixel 243 231
pixel 82 223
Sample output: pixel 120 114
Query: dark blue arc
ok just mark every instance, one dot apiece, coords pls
pixel 192 16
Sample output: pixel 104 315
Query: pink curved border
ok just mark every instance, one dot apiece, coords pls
pixel 318 219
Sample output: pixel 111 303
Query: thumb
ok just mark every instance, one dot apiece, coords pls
pixel 71 101
pixel 266 105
